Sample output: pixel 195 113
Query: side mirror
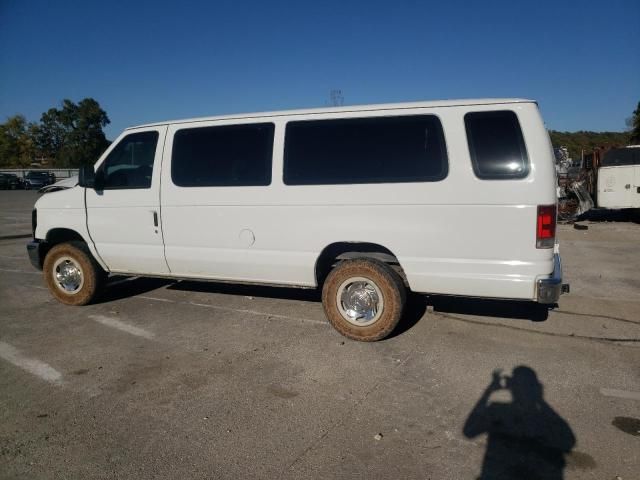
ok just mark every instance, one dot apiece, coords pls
pixel 86 176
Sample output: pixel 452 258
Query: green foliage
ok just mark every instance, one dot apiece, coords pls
pixel 576 142
pixel 16 142
pixel 68 137
pixel 635 125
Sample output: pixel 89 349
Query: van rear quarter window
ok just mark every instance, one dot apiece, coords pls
pixel 223 156
pixel 365 150
pixel 496 145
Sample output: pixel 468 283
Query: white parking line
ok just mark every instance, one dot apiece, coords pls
pixel 612 392
pixel 31 365
pixel 156 299
pixel 122 326
pixel 13 270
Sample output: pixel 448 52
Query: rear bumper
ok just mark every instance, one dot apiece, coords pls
pixel 550 289
pixel 35 251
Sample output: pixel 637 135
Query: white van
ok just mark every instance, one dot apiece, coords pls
pixel 447 197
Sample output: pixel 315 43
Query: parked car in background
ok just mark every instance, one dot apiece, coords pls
pixel 10 181
pixel 60 185
pixel 38 179
pixel 15 182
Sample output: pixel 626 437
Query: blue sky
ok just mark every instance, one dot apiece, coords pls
pixel 152 61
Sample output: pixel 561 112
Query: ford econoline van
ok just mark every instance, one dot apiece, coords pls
pixel 362 202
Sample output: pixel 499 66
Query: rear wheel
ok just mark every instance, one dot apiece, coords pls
pixel 72 274
pixel 363 299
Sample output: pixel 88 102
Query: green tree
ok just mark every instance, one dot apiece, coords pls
pixel 17 148
pixel 576 142
pixel 635 126
pixel 49 135
pixel 72 135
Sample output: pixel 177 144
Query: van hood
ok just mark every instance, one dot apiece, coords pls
pixel 60 185
pixel 65 198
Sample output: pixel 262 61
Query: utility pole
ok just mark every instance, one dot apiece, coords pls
pixel 335 98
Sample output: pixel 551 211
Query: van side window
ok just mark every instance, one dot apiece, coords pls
pixel 224 156
pixel 365 150
pixel 130 163
pixel 496 145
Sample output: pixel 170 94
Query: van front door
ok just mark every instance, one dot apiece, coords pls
pixel 123 211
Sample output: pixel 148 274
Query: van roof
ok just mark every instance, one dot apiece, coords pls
pixel 348 108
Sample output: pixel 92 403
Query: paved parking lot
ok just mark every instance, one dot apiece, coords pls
pixel 203 380
pixel 15 211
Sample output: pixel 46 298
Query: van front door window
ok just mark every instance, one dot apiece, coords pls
pixel 130 163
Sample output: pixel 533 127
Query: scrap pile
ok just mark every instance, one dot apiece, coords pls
pixel 575 184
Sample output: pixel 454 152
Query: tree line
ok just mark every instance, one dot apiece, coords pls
pixel 73 135
pixel 576 142
pixel 65 137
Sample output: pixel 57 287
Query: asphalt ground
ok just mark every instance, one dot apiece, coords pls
pixel 15 212
pixel 166 379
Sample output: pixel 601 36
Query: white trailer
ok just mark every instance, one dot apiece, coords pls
pixel 619 179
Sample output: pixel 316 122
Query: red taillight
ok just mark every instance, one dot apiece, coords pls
pixel 546 226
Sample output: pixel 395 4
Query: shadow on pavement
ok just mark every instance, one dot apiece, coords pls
pixel 526 438
pixel 287 293
pixel 604 215
pixel 414 311
pixel 519 310
pixel 119 287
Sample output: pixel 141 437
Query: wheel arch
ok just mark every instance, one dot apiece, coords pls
pixel 346 250
pixel 58 235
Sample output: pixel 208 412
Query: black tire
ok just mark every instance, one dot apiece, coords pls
pixel 389 285
pixel 78 256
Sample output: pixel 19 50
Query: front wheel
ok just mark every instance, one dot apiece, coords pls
pixel 71 273
pixel 364 299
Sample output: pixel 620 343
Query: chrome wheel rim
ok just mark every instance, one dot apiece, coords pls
pixel 68 275
pixel 360 301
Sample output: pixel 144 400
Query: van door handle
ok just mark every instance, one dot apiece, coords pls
pixel 155 219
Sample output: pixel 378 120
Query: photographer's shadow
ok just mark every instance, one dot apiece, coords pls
pixel 527 439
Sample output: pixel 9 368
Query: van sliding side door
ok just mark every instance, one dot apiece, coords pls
pixel 123 211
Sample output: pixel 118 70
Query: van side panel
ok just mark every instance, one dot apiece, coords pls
pixel 460 235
